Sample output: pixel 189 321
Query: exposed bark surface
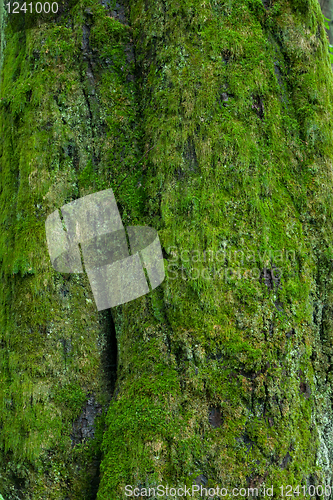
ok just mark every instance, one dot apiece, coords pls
pixel 327 10
pixel 222 375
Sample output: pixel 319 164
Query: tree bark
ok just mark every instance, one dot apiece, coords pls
pixel 224 371
pixel 327 10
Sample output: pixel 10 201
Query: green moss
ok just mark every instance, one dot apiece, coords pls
pixel 236 100
pixel 57 144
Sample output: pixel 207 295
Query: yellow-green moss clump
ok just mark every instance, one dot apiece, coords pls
pixel 224 371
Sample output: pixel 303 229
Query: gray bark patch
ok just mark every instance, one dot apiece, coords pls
pixel 215 417
pixel 258 106
pixel 286 460
pixel 201 480
pixel 83 426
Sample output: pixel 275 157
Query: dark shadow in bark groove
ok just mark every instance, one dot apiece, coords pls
pixel 84 426
pixel 109 365
pixel 109 356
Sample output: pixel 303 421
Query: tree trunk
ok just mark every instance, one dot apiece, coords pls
pixel 327 10
pixel 224 371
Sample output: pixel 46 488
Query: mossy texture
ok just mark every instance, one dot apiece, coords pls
pixel 60 108
pixel 236 100
pixel 224 370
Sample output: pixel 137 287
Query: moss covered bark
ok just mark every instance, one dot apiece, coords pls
pixel 224 371
pixel 58 124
